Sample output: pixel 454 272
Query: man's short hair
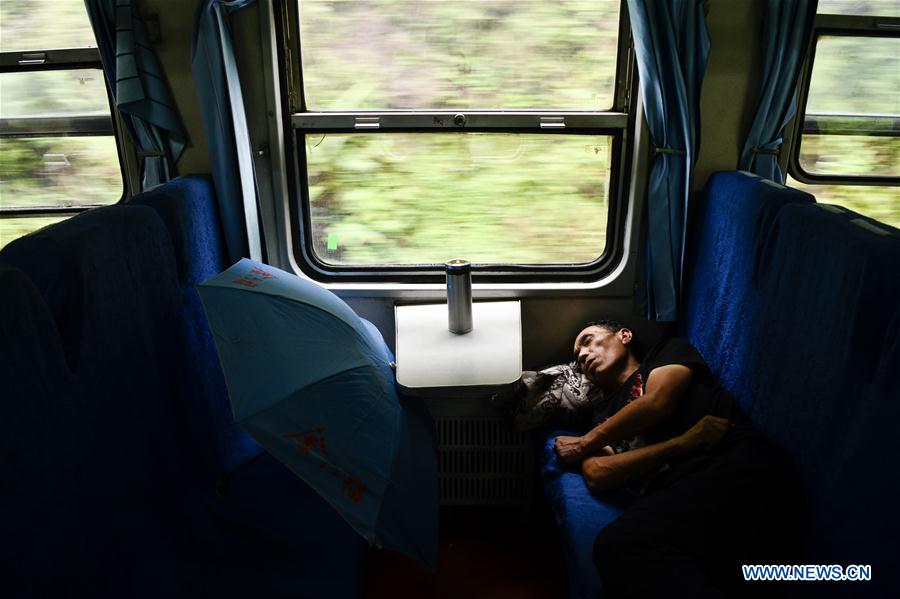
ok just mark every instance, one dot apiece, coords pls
pixel 614 326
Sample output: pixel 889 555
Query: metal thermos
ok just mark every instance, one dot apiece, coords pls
pixel 459 296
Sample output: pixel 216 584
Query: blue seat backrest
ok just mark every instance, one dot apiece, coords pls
pixel 40 496
pixel 721 308
pixel 188 207
pixel 107 279
pixel 830 283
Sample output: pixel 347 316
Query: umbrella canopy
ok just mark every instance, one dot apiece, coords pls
pixel 312 383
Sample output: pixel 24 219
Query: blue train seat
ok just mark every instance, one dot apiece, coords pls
pixel 823 382
pixel 129 477
pixel 92 419
pixel 796 308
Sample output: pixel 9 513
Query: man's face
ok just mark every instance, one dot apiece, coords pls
pixel 598 350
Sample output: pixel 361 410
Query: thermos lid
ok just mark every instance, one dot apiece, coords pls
pixel 458 266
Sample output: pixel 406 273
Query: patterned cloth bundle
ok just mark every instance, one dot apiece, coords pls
pixel 558 396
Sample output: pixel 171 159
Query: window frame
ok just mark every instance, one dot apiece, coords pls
pixel 617 123
pixel 64 59
pixel 847 26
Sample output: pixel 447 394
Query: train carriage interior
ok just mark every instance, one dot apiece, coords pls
pixel 289 291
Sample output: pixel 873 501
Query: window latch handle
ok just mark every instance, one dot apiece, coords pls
pixel 367 122
pixel 33 58
pixel 553 122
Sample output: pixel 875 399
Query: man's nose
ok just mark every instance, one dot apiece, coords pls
pixel 582 355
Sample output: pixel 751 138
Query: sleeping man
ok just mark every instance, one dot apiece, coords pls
pixel 715 493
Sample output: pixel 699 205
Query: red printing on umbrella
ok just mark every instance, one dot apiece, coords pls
pixel 353 487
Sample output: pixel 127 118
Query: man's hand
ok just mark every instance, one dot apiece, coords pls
pixel 570 450
pixel 708 431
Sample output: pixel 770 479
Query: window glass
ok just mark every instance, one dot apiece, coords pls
pixel 836 85
pixel 53 93
pixel 879 8
pixel 850 127
pixel 854 155
pixel 56 147
pixel 59 171
pixel 48 162
pixel 880 203
pixel 393 198
pixel 44 25
pixel 13 228
pixel 478 54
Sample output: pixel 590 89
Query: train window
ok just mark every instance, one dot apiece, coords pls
pixel 847 148
pixel 874 8
pixel 58 155
pixel 14 227
pixel 425 131
pixel 513 195
pixel 850 119
pixel 45 25
pixel 458 54
pixel 875 201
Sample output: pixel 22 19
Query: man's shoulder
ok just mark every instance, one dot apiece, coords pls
pixel 673 350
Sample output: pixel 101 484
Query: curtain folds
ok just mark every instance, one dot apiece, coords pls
pixel 671 47
pixel 788 26
pixel 225 123
pixel 138 88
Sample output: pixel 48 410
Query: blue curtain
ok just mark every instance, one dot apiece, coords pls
pixel 138 88
pixel 225 123
pixel 788 26
pixel 671 46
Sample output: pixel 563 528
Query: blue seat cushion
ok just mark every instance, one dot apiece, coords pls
pixel 579 515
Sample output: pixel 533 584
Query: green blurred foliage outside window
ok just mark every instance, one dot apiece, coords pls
pixel 879 202
pixel 13 228
pixel 487 198
pixel 855 76
pixel 424 198
pixel 52 171
pixel 44 25
pixel 871 8
pixel 476 54
pixel 68 92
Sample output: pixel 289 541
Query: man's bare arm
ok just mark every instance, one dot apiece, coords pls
pixel 665 387
pixel 607 472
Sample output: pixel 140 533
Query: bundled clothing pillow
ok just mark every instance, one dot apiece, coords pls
pixel 558 396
